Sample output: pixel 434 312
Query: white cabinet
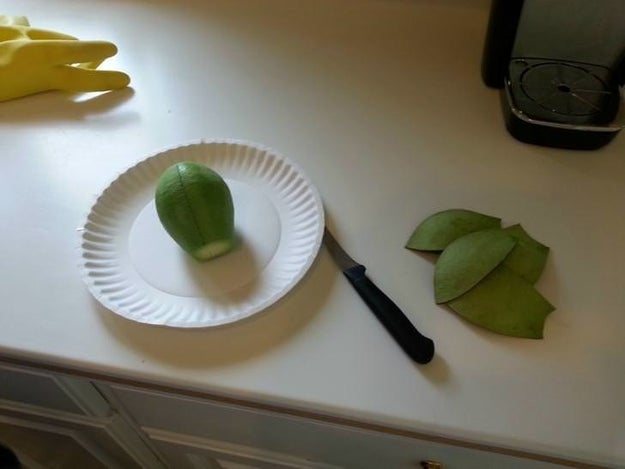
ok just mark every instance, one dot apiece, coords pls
pixel 189 431
pixel 42 441
pixel 188 452
pixel 58 421
pixel 61 421
pixel 44 390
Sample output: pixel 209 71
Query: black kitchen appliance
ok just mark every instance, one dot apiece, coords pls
pixel 560 65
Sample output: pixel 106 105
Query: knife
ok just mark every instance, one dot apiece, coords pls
pixel 418 347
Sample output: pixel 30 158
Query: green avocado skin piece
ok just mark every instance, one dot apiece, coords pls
pixel 195 206
pixel 437 231
pixel 467 260
pixel 505 303
pixel 528 257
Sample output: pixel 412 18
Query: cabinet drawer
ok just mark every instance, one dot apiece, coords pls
pixel 309 439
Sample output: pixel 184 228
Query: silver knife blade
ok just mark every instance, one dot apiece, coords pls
pixel 339 255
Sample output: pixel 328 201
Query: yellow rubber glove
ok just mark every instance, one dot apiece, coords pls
pixel 35 60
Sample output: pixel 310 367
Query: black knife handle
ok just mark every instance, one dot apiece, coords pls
pixel 418 347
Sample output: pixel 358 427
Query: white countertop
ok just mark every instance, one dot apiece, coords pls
pixel 381 103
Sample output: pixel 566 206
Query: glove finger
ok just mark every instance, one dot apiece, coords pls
pixel 71 78
pixel 9 20
pixel 12 33
pixel 91 65
pixel 39 34
pixel 63 52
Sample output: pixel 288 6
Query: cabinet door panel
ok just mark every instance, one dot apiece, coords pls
pixel 307 439
pixel 35 388
pixel 61 444
pixel 187 452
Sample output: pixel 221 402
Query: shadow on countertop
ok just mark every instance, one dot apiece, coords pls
pixel 56 106
pixel 231 343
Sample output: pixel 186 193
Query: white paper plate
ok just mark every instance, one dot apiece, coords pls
pixel 132 266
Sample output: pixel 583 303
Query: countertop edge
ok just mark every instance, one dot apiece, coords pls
pixel 298 411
